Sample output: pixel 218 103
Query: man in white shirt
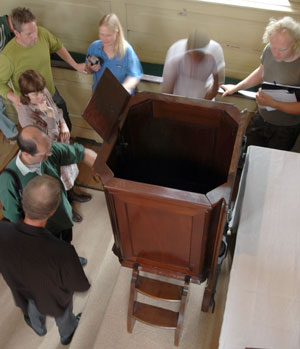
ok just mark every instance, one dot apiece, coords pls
pixel 194 67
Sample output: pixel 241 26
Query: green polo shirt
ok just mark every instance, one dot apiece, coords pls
pixel 62 154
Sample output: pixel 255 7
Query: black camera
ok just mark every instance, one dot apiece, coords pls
pixel 95 60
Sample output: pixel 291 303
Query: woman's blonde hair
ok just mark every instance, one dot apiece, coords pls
pixel 284 25
pixel 111 21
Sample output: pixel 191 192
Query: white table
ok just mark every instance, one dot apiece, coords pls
pixel 263 300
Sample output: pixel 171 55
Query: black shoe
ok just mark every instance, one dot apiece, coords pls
pixel 76 217
pixel 72 196
pixel 69 339
pixel 83 261
pixel 28 322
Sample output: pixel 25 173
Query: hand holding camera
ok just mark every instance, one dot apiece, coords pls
pixel 94 62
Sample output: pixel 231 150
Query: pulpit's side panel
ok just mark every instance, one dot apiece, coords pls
pixel 225 137
pixel 164 236
pixel 214 232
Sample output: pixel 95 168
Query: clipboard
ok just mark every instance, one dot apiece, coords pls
pixel 291 89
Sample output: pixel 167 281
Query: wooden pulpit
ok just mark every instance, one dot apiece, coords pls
pixel 167 166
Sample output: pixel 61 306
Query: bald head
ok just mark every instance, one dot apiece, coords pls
pixel 32 140
pixel 41 197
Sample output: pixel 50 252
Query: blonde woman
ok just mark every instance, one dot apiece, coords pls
pixel 114 52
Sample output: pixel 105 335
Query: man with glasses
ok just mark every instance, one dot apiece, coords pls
pixel 280 64
pixel 37 156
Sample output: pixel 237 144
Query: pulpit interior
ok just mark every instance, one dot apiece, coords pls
pixel 174 145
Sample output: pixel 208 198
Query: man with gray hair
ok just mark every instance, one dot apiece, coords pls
pixel 42 271
pixel 30 49
pixel 276 124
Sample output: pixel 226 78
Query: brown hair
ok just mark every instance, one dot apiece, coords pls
pixel 30 81
pixel 41 197
pixel 21 16
pixel 112 22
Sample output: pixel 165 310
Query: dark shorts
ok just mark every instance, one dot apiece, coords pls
pixel 264 134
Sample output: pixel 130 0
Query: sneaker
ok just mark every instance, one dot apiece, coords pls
pixel 68 340
pixel 28 322
pixel 83 261
pixel 76 217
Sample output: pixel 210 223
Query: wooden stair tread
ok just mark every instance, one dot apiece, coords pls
pixel 159 289
pixel 155 316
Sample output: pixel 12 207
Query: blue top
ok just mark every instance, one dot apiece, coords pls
pixel 129 65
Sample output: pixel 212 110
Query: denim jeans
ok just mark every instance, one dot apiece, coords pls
pixel 7 126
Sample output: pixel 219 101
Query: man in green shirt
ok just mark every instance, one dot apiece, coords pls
pixel 37 157
pixel 30 50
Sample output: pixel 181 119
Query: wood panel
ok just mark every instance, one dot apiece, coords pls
pixel 151 26
pixel 164 234
pixel 74 22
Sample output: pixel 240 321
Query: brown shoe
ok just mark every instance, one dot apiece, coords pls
pixel 72 196
pixel 76 217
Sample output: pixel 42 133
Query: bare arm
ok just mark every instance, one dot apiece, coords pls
pixel 64 133
pixel 14 99
pixel 213 90
pixel 286 107
pixel 89 157
pixel 130 83
pixel 65 55
pixel 254 79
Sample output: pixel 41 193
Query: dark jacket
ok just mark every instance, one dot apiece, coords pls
pixel 38 266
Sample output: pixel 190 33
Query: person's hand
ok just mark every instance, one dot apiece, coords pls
pixel 264 99
pixel 64 133
pixel 46 109
pixel 81 67
pixel 229 89
pixel 93 68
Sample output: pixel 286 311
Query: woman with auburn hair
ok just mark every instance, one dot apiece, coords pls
pixel 114 52
pixel 38 108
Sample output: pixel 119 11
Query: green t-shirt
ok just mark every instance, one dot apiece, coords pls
pixel 15 59
pixel 62 154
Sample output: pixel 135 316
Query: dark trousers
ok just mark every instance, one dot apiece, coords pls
pixel 66 323
pixel 60 102
pixel 264 134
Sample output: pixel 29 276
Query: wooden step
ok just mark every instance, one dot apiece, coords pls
pixel 155 316
pixel 159 289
